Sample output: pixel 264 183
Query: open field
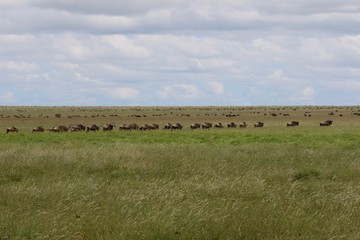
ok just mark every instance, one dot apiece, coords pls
pixel 274 182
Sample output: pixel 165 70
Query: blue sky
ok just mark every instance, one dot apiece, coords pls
pixel 179 52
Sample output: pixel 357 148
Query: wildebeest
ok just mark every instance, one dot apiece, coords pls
pixel 195 125
pixel 132 126
pixel 38 129
pixel 206 125
pixel 144 127
pixel 60 128
pixel 167 126
pixel 54 129
pixel 93 128
pixel 63 128
pixel 292 124
pixel 326 123
pixel 176 126
pixel 149 127
pixel 154 126
pixel 108 127
pixel 77 127
pixel 243 125
pixel 259 124
pixel 218 125
pixel 232 125
pixel 12 129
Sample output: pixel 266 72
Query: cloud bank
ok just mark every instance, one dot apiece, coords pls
pixel 159 52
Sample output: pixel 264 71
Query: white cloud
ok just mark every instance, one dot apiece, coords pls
pixel 7 97
pixel 125 93
pixel 126 47
pixel 180 92
pixel 315 50
pixel 216 87
pixel 12 66
pixel 308 93
pixel 278 76
pixel 264 45
pixel 351 43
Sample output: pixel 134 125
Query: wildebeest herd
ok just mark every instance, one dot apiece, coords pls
pixel 154 126
pixel 93 119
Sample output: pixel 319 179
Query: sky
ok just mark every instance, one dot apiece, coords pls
pixel 179 52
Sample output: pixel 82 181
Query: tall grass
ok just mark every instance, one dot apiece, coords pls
pixel 181 185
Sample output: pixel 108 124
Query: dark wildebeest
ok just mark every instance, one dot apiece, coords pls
pixel 38 129
pixel 108 127
pixel 243 125
pixel 259 124
pixel 195 125
pixel 326 123
pixel 292 124
pixel 93 128
pixel 153 126
pixel 218 125
pixel 12 129
pixel 77 128
pixel 206 125
pixel 232 125
pixel 128 127
pixel 63 128
pixel 168 126
pixel 176 126
pixel 54 129
pixel 149 127
pixel 144 127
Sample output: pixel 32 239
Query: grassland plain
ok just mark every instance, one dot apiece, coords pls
pixel 270 183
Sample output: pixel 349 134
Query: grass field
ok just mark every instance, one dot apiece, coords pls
pixel 270 183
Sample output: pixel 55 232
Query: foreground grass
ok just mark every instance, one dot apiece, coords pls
pixel 184 185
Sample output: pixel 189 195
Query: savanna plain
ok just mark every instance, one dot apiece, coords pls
pixel 273 182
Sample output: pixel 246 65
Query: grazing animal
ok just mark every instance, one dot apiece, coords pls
pixel 292 124
pixel 143 127
pixel 63 128
pixel 128 127
pixel 206 125
pixel 258 125
pixel 108 127
pixel 243 125
pixel 54 129
pixel 93 128
pixel 77 128
pixel 153 126
pixel 168 126
pixel 326 123
pixel 12 129
pixel 232 125
pixel 125 127
pixel 38 129
pixel 147 127
pixel 176 126
pixel 218 125
pixel 195 126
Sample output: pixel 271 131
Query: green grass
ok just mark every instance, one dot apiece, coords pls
pixel 271 183
pixel 122 186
